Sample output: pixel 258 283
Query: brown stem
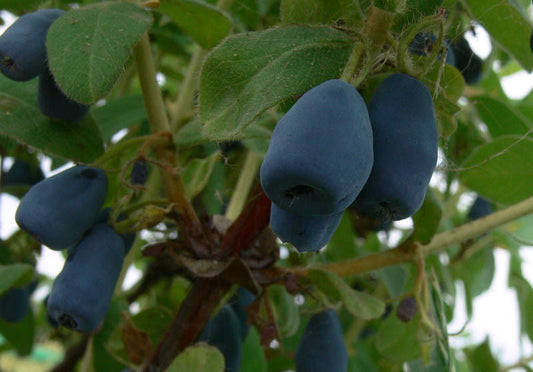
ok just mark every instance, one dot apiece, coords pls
pixel 72 356
pixel 189 322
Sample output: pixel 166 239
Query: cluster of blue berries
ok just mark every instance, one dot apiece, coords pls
pixel 64 212
pixel 331 150
pixel 23 57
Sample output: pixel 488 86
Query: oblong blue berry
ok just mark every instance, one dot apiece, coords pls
pixel 224 332
pixel 23 173
pixel 23 45
pixel 322 346
pixel 320 153
pixel 239 302
pixel 468 62
pixel 305 233
pixel 405 149
pixel 103 217
pixel 480 208
pixel 58 210
pixel 81 294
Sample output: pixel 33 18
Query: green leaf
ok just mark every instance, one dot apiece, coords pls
pixel 477 272
pixel 190 133
pixel 397 340
pixel 196 175
pixel 321 12
pixel 249 73
pixel 102 358
pixel 359 304
pixel 20 334
pixel 254 360
pixel 119 113
pixel 441 355
pixel 23 121
pixel 15 275
pixel 427 220
pixel 285 310
pixel 198 358
pixel 206 24
pixel 89 47
pixel 500 118
pixel 524 294
pixel 522 229
pixel 342 246
pixel 395 278
pixel 451 88
pixel 501 170
pixel 507 26
pixel 17 6
pixel 480 358
pixel 153 321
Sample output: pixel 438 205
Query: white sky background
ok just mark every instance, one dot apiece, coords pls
pixel 495 312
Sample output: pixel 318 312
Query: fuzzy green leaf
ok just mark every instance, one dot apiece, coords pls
pixel 507 26
pixel 500 118
pixel 285 310
pixel 206 24
pixel 251 72
pixel 359 304
pixel 198 358
pixel 88 48
pixel 196 175
pixel 427 219
pixel 15 275
pixel 22 121
pixel 501 170
pixel 321 12
pixel 20 334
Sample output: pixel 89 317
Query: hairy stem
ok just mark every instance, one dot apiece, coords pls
pixel 440 241
pixel 244 184
pixel 353 62
pixel 157 117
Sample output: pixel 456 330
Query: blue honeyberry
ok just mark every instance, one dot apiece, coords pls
pixel 468 62
pixel 58 210
pixel 139 173
pixel 322 346
pixel 320 153
pixel 103 217
pixel 305 233
pixel 480 208
pixel 23 45
pixel 22 173
pixel 405 149
pixel 239 302
pixel 223 331
pixel 81 294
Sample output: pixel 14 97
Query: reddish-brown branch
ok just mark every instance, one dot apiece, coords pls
pixel 251 222
pixel 189 323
